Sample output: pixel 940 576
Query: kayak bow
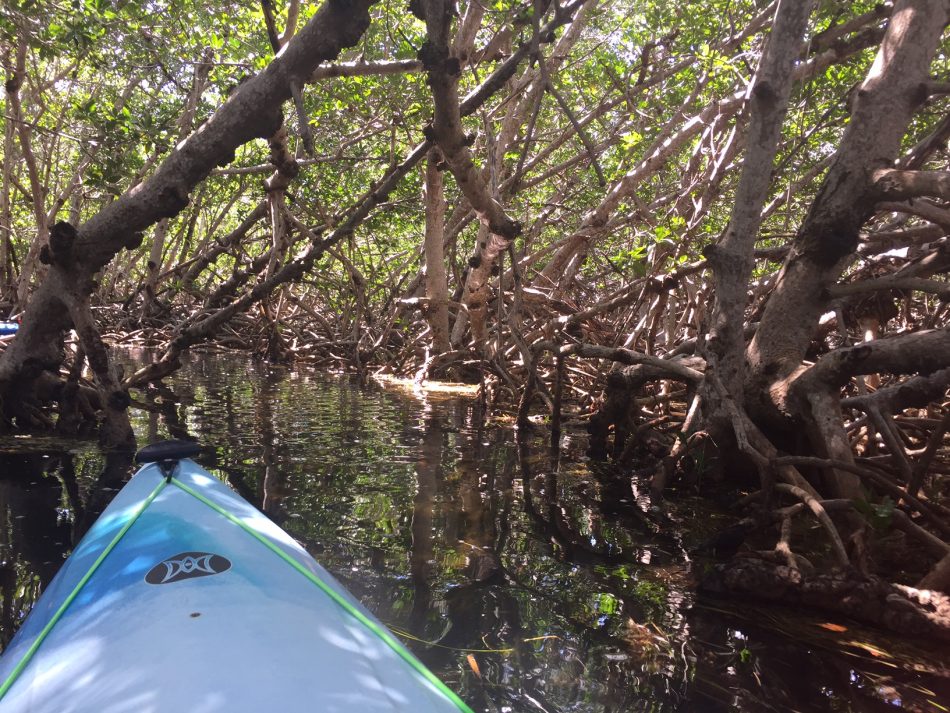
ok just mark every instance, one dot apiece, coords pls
pixel 184 597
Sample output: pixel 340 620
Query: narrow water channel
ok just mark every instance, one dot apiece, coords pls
pixel 528 581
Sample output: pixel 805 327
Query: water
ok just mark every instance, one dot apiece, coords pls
pixel 527 582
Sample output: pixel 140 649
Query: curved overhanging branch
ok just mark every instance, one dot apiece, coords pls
pixel 364 69
pixel 253 111
pixel 893 282
pixel 916 392
pixel 921 208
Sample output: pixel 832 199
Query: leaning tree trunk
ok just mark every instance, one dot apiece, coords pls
pixel 253 111
pixel 883 106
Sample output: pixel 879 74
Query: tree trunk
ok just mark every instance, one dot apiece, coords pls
pixel 824 245
pixel 437 291
pixel 31 261
pixel 732 258
pixel 446 130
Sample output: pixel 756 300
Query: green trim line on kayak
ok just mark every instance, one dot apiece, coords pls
pixel 371 625
pixel 38 641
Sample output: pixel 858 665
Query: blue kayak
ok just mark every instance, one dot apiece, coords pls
pixel 184 598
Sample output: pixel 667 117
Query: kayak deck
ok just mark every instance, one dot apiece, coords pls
pixel 184 597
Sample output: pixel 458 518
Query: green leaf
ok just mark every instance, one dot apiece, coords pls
pixel 607 604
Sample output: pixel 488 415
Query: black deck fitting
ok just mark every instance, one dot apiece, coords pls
pixel 168 451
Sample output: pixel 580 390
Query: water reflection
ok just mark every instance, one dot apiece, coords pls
pixel 527 581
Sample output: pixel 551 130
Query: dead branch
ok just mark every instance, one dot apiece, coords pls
pixel 819 512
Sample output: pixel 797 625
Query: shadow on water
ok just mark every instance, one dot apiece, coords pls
pixel 528 581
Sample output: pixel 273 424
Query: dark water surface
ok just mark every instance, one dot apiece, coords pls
pixel 528 583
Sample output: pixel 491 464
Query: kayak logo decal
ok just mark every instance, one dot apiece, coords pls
pixel 187 565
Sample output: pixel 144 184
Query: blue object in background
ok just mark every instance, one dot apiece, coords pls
pixel 8 328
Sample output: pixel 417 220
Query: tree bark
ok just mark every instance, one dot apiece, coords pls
pixel 732 258
pixel 437 291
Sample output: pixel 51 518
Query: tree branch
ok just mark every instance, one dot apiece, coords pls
pixel 381 68
pixel 917 352
pixel 892 184
pixel 892 282
pixel 624 356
